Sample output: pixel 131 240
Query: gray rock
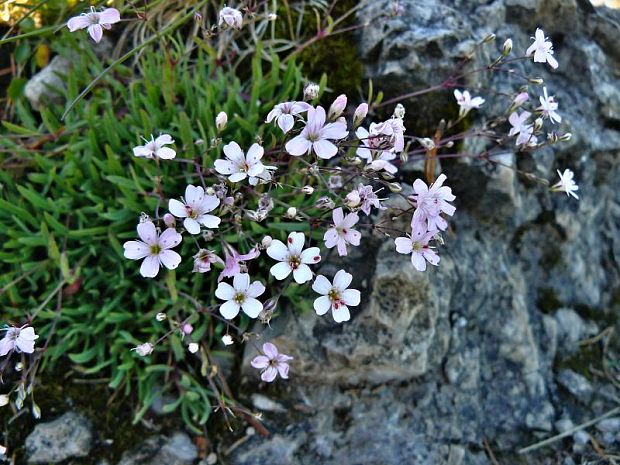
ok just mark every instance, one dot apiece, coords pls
pixel 66 437
pixel 45 86
pixel 176 450
pixel 576 384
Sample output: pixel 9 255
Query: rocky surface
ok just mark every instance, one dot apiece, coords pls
pixel 66 437
pixel 486 347
pixel 158 450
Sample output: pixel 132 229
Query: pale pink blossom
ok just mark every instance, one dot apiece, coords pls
pixel 378 146
pixel 542 49
pixel 95 22
pixel 272 363
pixel 417 246
pixel 233 260
pixel 337 107
pixel 19 339
pixel 368 199
pixel 341 234
pixel 144 349
pixel 238 165
pixel 316 136
pixel 203 260
pixel 284 114
pixel 548 107
pixel 466 102
pixel 155 148
pixel 195 208
pixel 232 17
pixel 522 128
pixel 336 296
pixel 360 113
pixel 154 249
pixel 566 183
pixel 292 258
pixel 431 203
pixel 240 296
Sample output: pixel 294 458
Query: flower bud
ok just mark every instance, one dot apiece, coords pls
pixel 221 120
pixel 427 143
pixel 520 99
pixel 552 137
pixel 352 199
pixel 187 328
pixel 311 91
pixel 399 111
pixel 272 16
pixel 507 48
pixel 537 81
pixel 325 203
pixel 394 187
pixel 161 316
pixel 337 107
pixel 308 190
pixel 266 242
pixel 144 349
pixel 291 212
pixel 538 123
pixel 334 181
pixel 4 399
pixel 36 411
pixel 360 113
pixel 169 220
pixel 19 366
pixel 227 340
pixel 232 17
pixel 193 347
pixel 488 38
pixel 566 137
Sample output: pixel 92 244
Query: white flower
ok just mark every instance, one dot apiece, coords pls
pixel 417 246
pixel 20 339
pixel 431 202
pixel 227 340
pixel 232 17
pixel 238 165
pixel 95 22
pixel 520 126
pixel 316 136
pixel 542 49
pixel 548 107
pixel 240 296
pixel 284 114
pixel 378 146
pixel 566 183
pixel 341 234
pixel 466 102
pixel 194 209
pixel 155 249
pixel 161 316
pixel 155 148
pixel 193 347
pixel 144 349
pixel 336 296
pixel 292 258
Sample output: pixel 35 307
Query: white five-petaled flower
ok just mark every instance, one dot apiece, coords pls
pixel 292 258
pixel 521 127
pixel 155 148
pixel 336 296
pixel 431 203
pixel 566 183
pixel 284 114
pixel 542 49
pixel 239 166
pixel 466 102
pixel 548 107
pixel 144 349
pixel 379 145
pixel 231 17
pixel 20 339
pixel 195 208
pixel 155 249
pixel 341 234
pixel 240 296
pixel 417 246
pixel 316 136
pixel 95 21
pixel 272 363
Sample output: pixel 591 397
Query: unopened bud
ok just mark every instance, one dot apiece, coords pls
pixel 227 340
pixel 187 328
pixel 399 111
pixel 272 16
pixel 311 91
pixel 19 366
pixel 36 411
pixel 538 123
pixel 352 199
pixel 169 220
pixel 507 48
pixel 427 143
pixel 537 81
pixel 266 242
pixel 520 99
pixel 291 212
pixel 144 349
pixel 387 176
pixel 308 190
pixel 449 144
pixel 394 187
pixel 552 137
pixel 161 316
pixel 221 120
pixel 488 38
pixel 360 113
pixel 4 399
pixel 193 347
pixel 337 107
pixel 325 203
pixel 566 137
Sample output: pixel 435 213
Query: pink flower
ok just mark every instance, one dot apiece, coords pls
pixel 341 234
pixel 239 165
pixel 232 266
pixel 195 208
pixel 231 17
pixel 240 296
pixel 155 148
pixel 431 202
pixel 417 246
pixel 155 249
pixel 542 49
pixel 360 113
pixel 284 114
pixel 292 259
pixel 337 107
pixel 380 143
pixel 203 260
pixel 316 136
pixel 95 21
pixel 548 107
pixel 271 363
pixel 466 102
pixel 520 126
pixel 20 339
pixel 368 199
pixel 336 296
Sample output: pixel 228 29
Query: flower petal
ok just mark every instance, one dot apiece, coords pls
pixel 209 221
pixel 280 270
pixel 322 285
pixel 135 250
pixel 322 305
pixel 252 307
pixel 166 153
pixel 194 195
pixel 109 16
pixel 341 314
pixel 298 145
pixel 324 149
pixel 302 274
pixel 311 255
pixel 342 280
pixel 255 153
pixel 260 361
pixel 256 288
pixel 241 282
pixel 234 153
pixel 170 238
pixel 170 259
pixel 96 32
pixel 177 208
pixel 150 266
pixel 225 291
pixel 351 297
pixel 296 242
pixel 269 374
pixel 229 309
pixel 147 232
pixel 277 250
pixel 270 350
pixel 78 22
